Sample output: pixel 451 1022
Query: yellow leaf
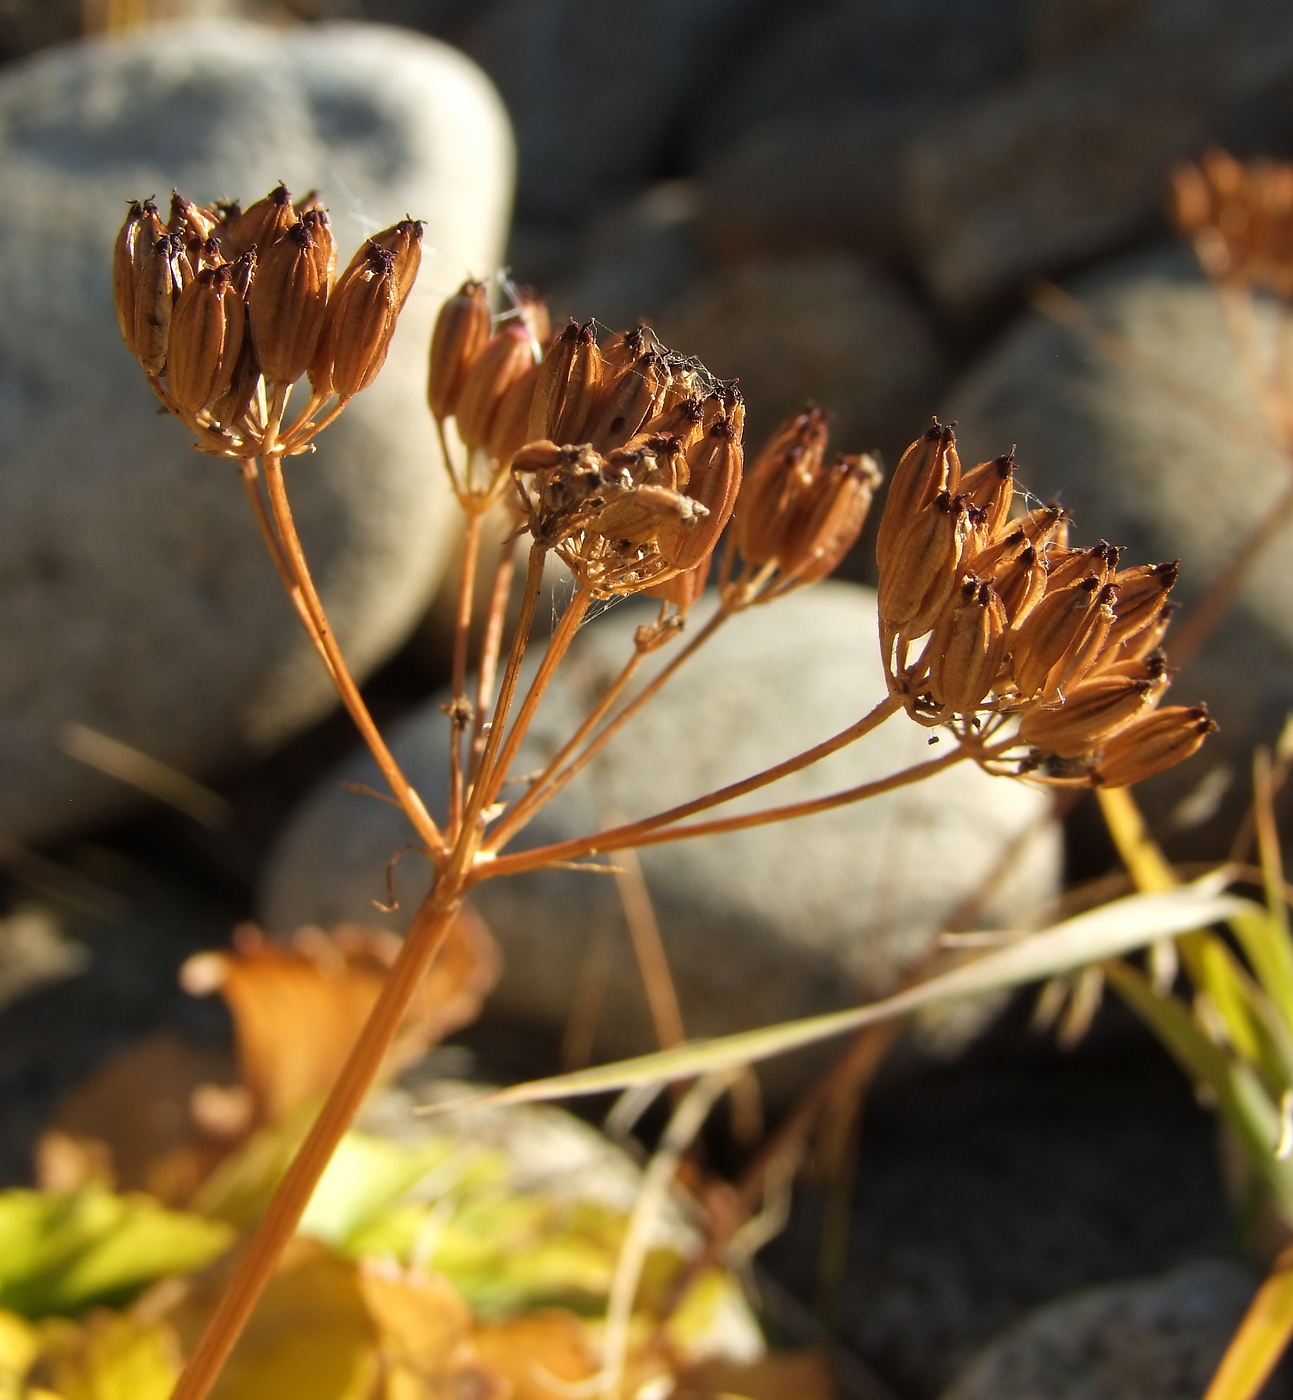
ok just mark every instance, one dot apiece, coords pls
pixel 541 1354
pixel 1260 1339
pixel 108 1356
pixel 310 1336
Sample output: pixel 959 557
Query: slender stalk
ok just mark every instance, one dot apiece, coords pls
pixel 558 645
pixel 551 782
pixel 278 1224
pixel 648 948
pixel 468 838
pixel 403 791
pixel 491 645
pixel 648 832
pixel 459 717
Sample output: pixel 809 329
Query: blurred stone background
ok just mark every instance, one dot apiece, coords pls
pixel 849 201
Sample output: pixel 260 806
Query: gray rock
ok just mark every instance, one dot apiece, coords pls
pixel 1156 470
pixel 638 257
pixel 135 596
pixel 1149 1339
pixel 825 327
pixel 597 91
pixel 804 146
pixel 760 925
pixel 1072 161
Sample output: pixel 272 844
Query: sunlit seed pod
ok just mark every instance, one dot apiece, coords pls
pixel 505 358
pixel 157 284
pixel 684 421
pixel 287 302
pixel 990 487
pixel 1021 582
pixel 125 256
pixel 228 409
pixel 263 224
pixel 1153 744
pixel 1090 714
pixel 566 393
pixel 652 459
pixel 190 220
pixel 683 589
pixel 1083 655
pixel 1152 667
pixel 967 647
pixel 1057 624
pixel 543 456
pixel 320 225
pixel 512 421
pixel 715 464
pixel 924 566
pixel 461 331
pixel 404 241
pixel 830 518
pixel 1141 591
pixel 927 468
pixel 207 329
pixel 357 325
pixel 533 311
pixel 629 397
pixel 1046 526
pixel 638 515
pixel 776 482
pixel 1068 565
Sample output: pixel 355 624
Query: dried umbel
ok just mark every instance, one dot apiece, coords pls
pixel 226 309
pixel 799 512
pixel 1239 216
pixel 987 619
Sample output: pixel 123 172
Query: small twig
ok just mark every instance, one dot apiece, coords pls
pixel 491 645
pixel 648 948
pixel 459 718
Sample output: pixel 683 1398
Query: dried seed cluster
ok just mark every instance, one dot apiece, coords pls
pixel 1240 219
pixel 625 456
pixel 227 308
pixel 799 513
pixel 1018 624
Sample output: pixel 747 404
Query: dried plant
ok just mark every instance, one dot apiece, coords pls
pixel 624 459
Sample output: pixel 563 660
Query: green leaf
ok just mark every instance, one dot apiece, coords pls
pixel 61 1253
pixel 1106 932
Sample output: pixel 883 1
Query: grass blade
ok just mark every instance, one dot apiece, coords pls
pixel 1261 1338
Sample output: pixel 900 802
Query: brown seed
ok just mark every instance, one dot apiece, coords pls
pixel 924 566
pixel 461 330
pixel 565 395
pixel 684 421
pixel 357 325
pixel 715 481
pixel 967 648
pixel 190 220
pixel 206 336
pixel 1021 581
pixel 1141 592
pixel 288 299
pixel 512 421
pixel 929 466
pixel 990 488
pixel 1090 714
pixel 157 284
pixel 683 589
pixel 1068 565
pixel 830 518
pixel 125 254
pixel 1047 526
pixel 775 484
pixel 1153 744
pixel 639 513
pixel 506 357
pixel 1057 628
pixel 629 398
pixel 404 240
pixel 262 225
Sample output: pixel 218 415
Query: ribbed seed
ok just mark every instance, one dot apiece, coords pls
pixel 929 466
pixel 288 300
pixel 357 326
pixel 207 329
pixel 715 481
pixel 1090 714
pixel 1153 743
pixel 461 331
pixel 967 647
pixel 830 518
pixel 506 357
pixel 923 566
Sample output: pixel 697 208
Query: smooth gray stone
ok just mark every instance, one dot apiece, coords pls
pixel 1157 469
pixel 1148 1339
pixel 135 594
pixel 759 926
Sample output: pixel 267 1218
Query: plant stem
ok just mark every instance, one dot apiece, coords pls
pixel 648 832
pixel 458 716
pixel 491 645
pixel 550 782
pixel 278 1224
pixel 557 647
pixel 400 787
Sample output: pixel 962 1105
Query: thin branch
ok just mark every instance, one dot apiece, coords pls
pixel 491 645
pixel 458 715
pixel 294 555
pixel 647 832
